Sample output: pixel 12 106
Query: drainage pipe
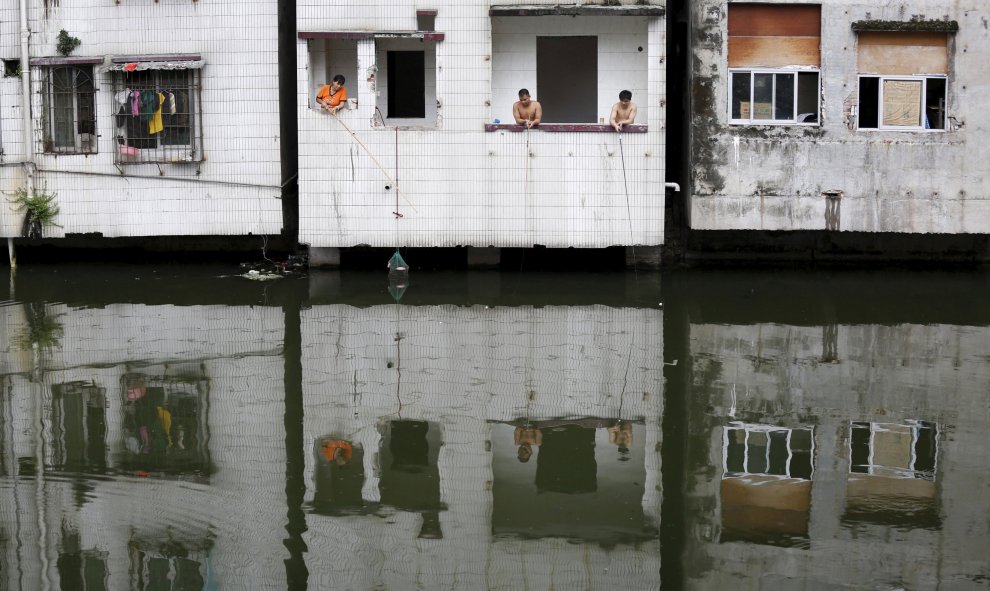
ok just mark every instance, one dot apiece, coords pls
pixel 26 117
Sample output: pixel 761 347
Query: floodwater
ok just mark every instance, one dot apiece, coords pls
pixel 175 428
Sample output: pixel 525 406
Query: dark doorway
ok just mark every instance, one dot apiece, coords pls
pixel 407 84
pixel 567 79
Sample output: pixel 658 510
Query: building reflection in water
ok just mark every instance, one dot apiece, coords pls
pixel 892 475
pixel 766 484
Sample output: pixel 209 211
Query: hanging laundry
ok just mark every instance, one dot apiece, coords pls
pixel 147 105
pixel 155 125
pixel 122 96
pixel 165 418
pixel 136 103
pixel 130 67
pixel 171 103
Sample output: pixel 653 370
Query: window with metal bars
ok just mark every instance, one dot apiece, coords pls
pixel 157 116
pixel 69 106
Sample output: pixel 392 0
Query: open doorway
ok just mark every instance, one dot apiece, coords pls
pixel 567 78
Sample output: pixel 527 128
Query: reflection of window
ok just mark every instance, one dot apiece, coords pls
pixel 776 451
pixel 903 80
pixel 165 424
pixel 896 450
pixel 80 570
pixel 70 109
pixel 167 573
pixel 587 482
pixel 892 470
pixel 765 491
pixel 339 477
pixel 774 57
pixel 410 479
pixel 79 427
pixel 564 65
pixel 156 117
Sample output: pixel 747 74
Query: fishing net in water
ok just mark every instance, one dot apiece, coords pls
pixel 398 276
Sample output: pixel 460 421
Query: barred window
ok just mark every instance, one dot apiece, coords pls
pixel 157 116
pixel 69 108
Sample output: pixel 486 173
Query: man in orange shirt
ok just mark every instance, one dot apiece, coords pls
pixel 338 451
pixel 333 96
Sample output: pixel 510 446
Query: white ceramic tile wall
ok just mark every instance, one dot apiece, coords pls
pixel 459 185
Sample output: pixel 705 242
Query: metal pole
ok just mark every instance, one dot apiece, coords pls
pixel 25 116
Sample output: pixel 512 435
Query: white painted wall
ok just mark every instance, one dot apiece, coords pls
pixel 457 184
pixel 772 177
pixel 234 191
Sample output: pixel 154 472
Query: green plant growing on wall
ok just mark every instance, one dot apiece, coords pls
pixel 41 210
pixel 66 43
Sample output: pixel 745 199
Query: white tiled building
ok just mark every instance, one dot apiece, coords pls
pixel 214 166
pixel 435 159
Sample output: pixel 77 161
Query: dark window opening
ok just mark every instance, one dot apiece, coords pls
pixel 426 21
pixel 79 427
pixel 407 84
pixel 11 68
pixel 935 103
pixel 410 477
pixel 567 79
pixel 869 102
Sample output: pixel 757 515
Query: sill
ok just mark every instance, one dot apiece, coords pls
pixel 73 152
pixel 565 127
pixel 775 123
pixel 901 129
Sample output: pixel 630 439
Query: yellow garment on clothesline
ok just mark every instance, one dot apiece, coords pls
pixel 155 125
pixel 165 418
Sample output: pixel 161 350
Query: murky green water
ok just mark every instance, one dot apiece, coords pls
pixel 186 428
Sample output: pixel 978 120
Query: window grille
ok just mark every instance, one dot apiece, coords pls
pixel 69 108
pixel 157 116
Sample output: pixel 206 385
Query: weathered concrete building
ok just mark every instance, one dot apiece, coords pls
pixel 157 119
pixel 839 115
pixel 428 153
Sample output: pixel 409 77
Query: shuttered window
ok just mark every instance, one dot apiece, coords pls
pixel 774 35
pixel 774 55
pixel 903 80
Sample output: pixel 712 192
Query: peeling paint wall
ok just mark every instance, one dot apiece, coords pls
pixel 775 177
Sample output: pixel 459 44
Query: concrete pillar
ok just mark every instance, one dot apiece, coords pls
pixel 643 257
pixel 484 258
pixel 324 257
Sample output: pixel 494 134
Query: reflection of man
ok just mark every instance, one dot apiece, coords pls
pixel 526 111
pixel 526 438
pixel 621 434
pixel 338 451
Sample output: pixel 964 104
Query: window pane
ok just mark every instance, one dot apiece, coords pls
pixel 778 453
pixel 869 102
pixel 740 95
pixel 178 93
pixel 62 108
pixel 762 96
pixel 902 103
pixel 859 448
pixel 783 104
pixel 757 460
pixel 935 103
pixel 807 99
pixel 736 450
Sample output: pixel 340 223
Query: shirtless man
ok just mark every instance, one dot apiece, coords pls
pixel 527 111
pixel 623 112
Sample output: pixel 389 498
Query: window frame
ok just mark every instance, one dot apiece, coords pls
pixel 766 430
pixel 49 110
pixel 881 78
pixel 161 153
pixel 795 71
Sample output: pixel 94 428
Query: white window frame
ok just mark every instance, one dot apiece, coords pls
pixel 793 71
pixel 766 430
pixel 924 78
pixel 911 470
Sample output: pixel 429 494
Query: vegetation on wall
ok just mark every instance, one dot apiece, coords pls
pixel 66 43
pixel 41 210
